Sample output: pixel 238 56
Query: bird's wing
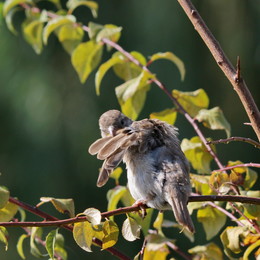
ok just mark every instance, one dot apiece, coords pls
pixel 98 144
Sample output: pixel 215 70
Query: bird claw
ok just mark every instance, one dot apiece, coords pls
pixel 142 205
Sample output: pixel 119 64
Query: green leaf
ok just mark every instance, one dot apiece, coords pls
pixel 70 36
pixel 128 70
pixel 230 239
pixel 109 31
pixel 212 220
pixel 9 4
pixel 158 223
pixel 83 234
pixel 8 212
pixel 132 94
pixel 172 57
pixel 103 70
pixel 207 252
pixel 50 243
pixel 4 196
pixel 55 23
pixel 168 115
pixel 59 247
pixel 252 211
pixel 4 236
pixel 214 119
pixel 92 5
pixel 19 245
pixel 111 233
pixel 114 196
pixel 94 29
pixel 196 153
pixel 32 31
pixel 130 229
pixel 250 249
pixel 93 215
pixel 36 233
pixel 86 58
pixel 193 101
pixel 62 205
pixel 116 174
pixel 201 184
pixel 9 20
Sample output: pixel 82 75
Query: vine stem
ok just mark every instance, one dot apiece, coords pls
pixel 232 74
pixel 256 165
pixel 236 138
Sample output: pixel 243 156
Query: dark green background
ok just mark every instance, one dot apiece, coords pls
pixel 48 119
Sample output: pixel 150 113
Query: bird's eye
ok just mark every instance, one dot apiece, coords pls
pixel 122 122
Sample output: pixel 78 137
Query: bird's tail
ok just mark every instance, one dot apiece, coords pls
pixel 178 199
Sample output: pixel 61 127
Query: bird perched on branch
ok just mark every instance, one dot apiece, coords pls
pixel 157 169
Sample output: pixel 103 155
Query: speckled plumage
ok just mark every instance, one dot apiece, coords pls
pixel 157 170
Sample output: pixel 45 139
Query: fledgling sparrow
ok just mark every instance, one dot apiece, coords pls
pixel 157 169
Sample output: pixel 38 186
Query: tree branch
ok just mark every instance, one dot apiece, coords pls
pixel 231 73
pixel 256 165
pixel 236 138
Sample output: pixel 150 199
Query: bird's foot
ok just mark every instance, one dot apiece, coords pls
pixel 141 203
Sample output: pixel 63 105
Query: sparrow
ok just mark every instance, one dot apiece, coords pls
pixel 157 169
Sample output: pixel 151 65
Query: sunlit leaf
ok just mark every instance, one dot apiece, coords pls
pixel 103 70
pixel 94 29
pixel 197 154
pixel 92 5
pixel 230 239
pixel 172 57
pixel 55 23
pixel 214 119
pixel 114 196
pixel 250 249
pixel 9 19
pixel 93 215
pixel 109 31
pixel 9 4
pixel 62 205
pixel 111 233
pixel 116 174
pixel 4 196
pixel 50 243
pixel 86 58
pixel 130 229
pixel 83 234
pixel 201 184
pixel 36 233
pixel 70 36
pixel 212 220
pixel 168 115
pixel 19 245
pixel 8 212
pixel 4 236
pixel 218 180
pixel 252 211
pixel 158 223
pixel 207 252
pixel 193 101
pixel 128 70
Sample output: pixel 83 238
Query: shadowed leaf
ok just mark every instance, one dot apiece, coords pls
pixel 111 233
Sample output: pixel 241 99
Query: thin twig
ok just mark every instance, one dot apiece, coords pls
pixel 256 165
pixel 214 47
pixel 236 138
pixel 178 251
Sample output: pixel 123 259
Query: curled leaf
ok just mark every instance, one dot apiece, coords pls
pixel 93 215
pixel 92 5
pixel 130 229
pixel 168 115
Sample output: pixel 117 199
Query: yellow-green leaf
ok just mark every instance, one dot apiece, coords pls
pixel 207 252
pixel 158 223
pixel 33 34
pixel 9 19
pixel 86 58
pixel 168 115
pixel 92 5
pixel 59 247
pixel 114 196
pixel 36 232
pixel 50 243
pixel 103 70
pixel 55 23
pixel 172 57
pixel 83 235
pixel 70 36
pixel 9 4
pixel 62 205
pixel 19 245
pixel 214 119
pixel 93 215
pixel 4 236
pixel 130 229
pixel 250 249
pixel 128 70
pixel 212 220
pixel 109 31
pixel 193 101
pixel 94 29
pixel 196 153
pixel 4 196
pixel 8 212
pixel 116 174
pixel 111 233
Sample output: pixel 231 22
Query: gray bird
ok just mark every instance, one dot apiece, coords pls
pixel 157 169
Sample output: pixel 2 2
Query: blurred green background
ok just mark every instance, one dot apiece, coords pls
pixel 48 119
